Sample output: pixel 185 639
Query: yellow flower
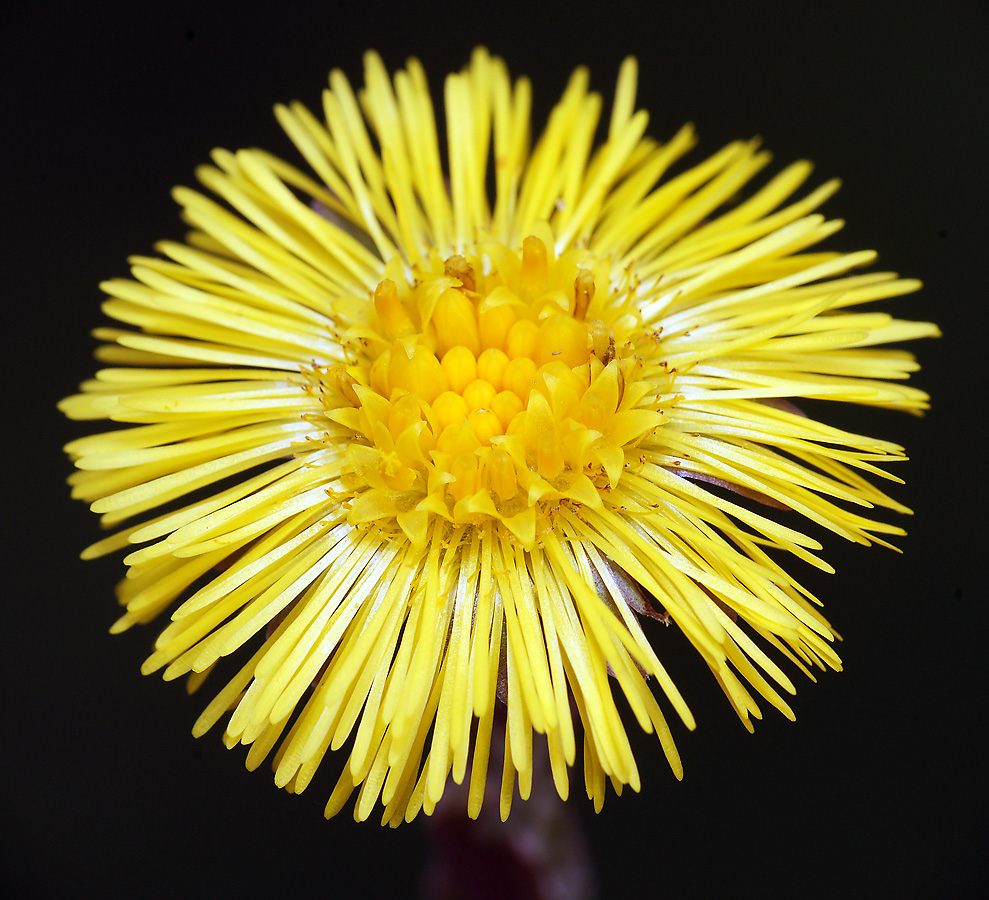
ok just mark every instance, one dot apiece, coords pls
pixel 419 444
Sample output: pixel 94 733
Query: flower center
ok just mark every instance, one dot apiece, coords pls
pixel 500 385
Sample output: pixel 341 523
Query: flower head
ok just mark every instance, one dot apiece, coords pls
pixel 413 447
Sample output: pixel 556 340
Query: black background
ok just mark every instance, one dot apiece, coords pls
pixel 878 790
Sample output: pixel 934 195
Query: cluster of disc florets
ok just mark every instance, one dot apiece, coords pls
pixel 500 384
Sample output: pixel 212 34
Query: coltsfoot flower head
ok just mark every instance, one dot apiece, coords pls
pixel 413 451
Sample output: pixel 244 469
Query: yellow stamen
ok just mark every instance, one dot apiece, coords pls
pixel 394 319
pixel 583 289
pixel 458 267
pixel 534 267
pixel 501 471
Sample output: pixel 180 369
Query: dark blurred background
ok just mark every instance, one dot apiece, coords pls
pixel 878 790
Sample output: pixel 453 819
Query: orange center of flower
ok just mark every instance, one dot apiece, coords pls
pixel 499 385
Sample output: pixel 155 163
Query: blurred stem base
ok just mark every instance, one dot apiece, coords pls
pixel 539 853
